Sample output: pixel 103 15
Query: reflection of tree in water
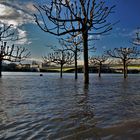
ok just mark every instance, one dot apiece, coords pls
pixel 87 111
pixel 83 117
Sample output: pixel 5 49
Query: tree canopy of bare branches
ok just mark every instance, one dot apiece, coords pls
pixel 60 57
pixel 98 61
pixel 10 52
pixel 82 17
pixel 125 55
pixel 73 45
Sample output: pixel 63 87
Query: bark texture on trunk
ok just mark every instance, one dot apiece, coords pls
pixel 61 71
pixel 124 69
pixel 85 47
pixel 76 70
pixel 100 68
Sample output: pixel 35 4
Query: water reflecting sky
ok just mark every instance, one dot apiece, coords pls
pixel 47 107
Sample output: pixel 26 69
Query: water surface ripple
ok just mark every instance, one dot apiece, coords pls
pixel 47 107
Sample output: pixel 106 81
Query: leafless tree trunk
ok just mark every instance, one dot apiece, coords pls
pixel 85 48
pixel 124 68
pixel 100 68
pixel 61 70
pixel 75 59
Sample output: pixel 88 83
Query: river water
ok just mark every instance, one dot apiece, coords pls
pixel 34 107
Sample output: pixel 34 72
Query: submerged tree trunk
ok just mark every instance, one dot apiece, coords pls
pixel 85 47
pixel 61 70
pixel 76 70
pixel 100 68
pixel 0 68
pixel 124 69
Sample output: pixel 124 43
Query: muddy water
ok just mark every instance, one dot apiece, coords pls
pixel 47 107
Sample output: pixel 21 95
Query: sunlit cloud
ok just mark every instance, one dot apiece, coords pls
pixel 17 14
pixel 123 32
pixel 10 14
pixel 104 47
pixel 22 37
pixel 94 37
pixel 30 7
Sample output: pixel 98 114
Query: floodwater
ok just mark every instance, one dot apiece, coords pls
pixel 34 107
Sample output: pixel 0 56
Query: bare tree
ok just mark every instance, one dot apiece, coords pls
pixel 86 17
pixel 10 52
pixel 61 57
pixel 125 55
pixel 98 61
pixel 73 44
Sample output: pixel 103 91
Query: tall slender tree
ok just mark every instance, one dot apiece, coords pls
pixel 82 16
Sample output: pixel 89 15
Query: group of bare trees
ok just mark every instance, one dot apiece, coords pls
pixel 60 57
pixel 76 19
pixel 126 55
pixel 8 50
pixel 85 17
pixel 82 17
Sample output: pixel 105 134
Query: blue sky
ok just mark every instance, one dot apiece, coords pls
pixel 20 14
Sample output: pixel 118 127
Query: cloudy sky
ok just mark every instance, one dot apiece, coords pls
pixel 20 14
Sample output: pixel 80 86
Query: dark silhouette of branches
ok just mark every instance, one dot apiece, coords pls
pixel 60 57
pixel 73 45
pixel 85 17
pixel 10 52
pixel 125 55
pixel 13 53
pixel 98 61
pixel 8 33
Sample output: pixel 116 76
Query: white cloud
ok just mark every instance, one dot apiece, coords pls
pixel 30 7
pixel 96 37
pixel 17 14
pixel 14 15
pixel 22 37
pixel 124 32
pixel 104 47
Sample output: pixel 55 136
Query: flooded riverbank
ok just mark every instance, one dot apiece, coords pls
pixel 47 107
